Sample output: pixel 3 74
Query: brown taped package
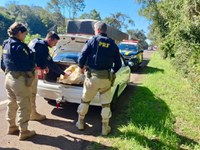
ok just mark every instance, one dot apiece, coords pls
pixel 74 76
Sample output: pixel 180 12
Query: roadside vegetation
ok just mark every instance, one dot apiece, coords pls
pixel 175 30
pixel 163 113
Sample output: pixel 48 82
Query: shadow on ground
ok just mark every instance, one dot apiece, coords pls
pixel 66 142
pixel 144 69
pixel 68 111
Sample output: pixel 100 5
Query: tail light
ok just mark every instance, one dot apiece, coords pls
pixel 40 73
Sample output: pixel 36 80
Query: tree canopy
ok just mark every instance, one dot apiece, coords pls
pixel 140 36
pixel 175 29
pixel 39 20
pixel 92 15
pixel 72 6
pixel 119 20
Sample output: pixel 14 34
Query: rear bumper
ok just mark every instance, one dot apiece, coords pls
pixel 67 93
pixel 48 90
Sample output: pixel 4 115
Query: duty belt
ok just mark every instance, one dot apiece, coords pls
pixel 103 74
pixel 28 75
pixel 16 74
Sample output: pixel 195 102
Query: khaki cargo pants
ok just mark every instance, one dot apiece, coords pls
pixel 91 87
pixel 19 98
pixel 34 92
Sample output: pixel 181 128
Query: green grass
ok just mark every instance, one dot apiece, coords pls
pixel 162 114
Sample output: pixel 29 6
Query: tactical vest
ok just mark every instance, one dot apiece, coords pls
pixel 32 43
pixel 9 56
pixel 104 52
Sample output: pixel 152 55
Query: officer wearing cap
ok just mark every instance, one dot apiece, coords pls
pixel 43 61
pixel 98 55
pixel 18 63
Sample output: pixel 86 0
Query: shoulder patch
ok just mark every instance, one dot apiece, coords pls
pixel 5 51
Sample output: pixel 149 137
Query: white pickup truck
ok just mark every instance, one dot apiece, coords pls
pixel 66 53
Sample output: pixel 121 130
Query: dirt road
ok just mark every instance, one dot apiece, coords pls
pixel 59 131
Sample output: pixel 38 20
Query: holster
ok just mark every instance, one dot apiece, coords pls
pixel 102 74
pixel 28 75
pixel 88 73
pixel 15 74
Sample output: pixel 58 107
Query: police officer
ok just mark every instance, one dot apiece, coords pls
pixel 98 54
pixel 43 61
pixel 18 64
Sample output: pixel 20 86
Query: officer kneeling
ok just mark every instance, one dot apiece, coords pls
pixel 99 54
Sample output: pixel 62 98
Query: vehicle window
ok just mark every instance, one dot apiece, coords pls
pixel 67 57
pixel 128 47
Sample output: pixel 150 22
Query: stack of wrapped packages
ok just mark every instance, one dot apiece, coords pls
pixel 74 76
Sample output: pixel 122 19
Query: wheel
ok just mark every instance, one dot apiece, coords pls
pixel 135 68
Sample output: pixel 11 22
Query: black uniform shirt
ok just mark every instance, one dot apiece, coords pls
pixel 43 58
pixel 100 53
pixel 16 56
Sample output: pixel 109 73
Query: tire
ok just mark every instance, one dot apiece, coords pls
pixel 135 68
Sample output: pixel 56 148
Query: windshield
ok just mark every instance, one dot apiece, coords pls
pixel 129 47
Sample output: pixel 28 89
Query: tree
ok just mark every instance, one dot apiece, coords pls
pixel 119 20
pixel 45 17
pixel 175 29
pixel 139 35
pixel 28 16
pixel 92 15
pixel 59 23
pixel 73 6
pixel 37 19
pixel 5 23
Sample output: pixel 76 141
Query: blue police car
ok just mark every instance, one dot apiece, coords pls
pixel 131 53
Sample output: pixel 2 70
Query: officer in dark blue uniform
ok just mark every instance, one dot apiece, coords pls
pixel 42 56
pixel 18 64
pixel 43 61
pixel 99 54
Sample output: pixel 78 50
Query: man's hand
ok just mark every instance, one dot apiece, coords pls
pixel 46 70
pixel 82 70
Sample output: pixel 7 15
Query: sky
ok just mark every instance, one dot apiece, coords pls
pixel 105 7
